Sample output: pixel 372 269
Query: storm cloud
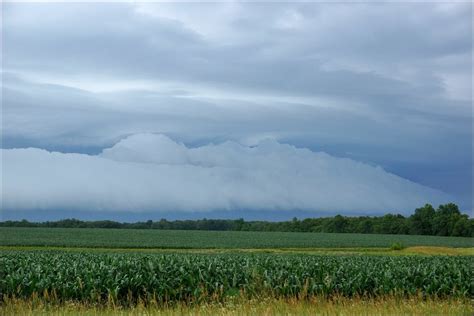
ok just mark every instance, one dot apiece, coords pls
pixel 152 173
pixel 380 84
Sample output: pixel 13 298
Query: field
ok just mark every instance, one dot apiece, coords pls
pixel 108 271
pixel 199 277
pixel 176 239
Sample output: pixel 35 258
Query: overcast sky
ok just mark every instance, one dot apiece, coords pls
pixel 235 108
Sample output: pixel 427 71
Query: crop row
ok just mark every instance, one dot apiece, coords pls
pixel 192 277
pixel 155 238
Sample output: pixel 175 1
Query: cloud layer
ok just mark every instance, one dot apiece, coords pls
pixel 386 84
pixel 152 173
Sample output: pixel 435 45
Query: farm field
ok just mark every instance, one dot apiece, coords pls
pixel 195 278
pixel 176 239
pixel 48 271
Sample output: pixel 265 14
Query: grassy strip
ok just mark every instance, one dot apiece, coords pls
pixel 317 251
pixel 264 306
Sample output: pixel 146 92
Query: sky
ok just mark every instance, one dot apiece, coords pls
pixel 234 109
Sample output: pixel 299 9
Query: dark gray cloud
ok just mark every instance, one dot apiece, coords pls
pixel 387 84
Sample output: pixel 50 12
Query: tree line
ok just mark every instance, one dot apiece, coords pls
pixel 446 220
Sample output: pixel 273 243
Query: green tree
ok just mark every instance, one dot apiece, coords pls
pixel 421 222
pixel 338 224
pixel 445 219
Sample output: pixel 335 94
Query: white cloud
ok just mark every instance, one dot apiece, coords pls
pixel 148 172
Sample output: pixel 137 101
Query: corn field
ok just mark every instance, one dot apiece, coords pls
pixel 97 278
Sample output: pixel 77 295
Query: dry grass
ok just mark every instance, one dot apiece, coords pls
pixel 439 251
pixel 417 250
pixel 267 306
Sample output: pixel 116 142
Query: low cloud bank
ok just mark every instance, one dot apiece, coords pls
pixel 152 173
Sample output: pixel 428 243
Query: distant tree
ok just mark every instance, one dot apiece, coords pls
pixel 365 227
pixel 238 224
pixel 306 225
pixel 445 219
pixel 462 227
pixel 422 220
pixel 394 224
pixel 337 224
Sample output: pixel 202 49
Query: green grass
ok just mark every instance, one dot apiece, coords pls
pixel 176 239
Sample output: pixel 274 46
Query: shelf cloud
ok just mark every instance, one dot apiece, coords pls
pixel 150 172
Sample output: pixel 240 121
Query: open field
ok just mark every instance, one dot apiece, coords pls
pixel 55 271
pixel 176 239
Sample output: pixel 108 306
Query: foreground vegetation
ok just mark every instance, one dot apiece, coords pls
pixel 338 305
pixel 71 271
pixel 126 279
pixel 447 220
pixel 175 239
